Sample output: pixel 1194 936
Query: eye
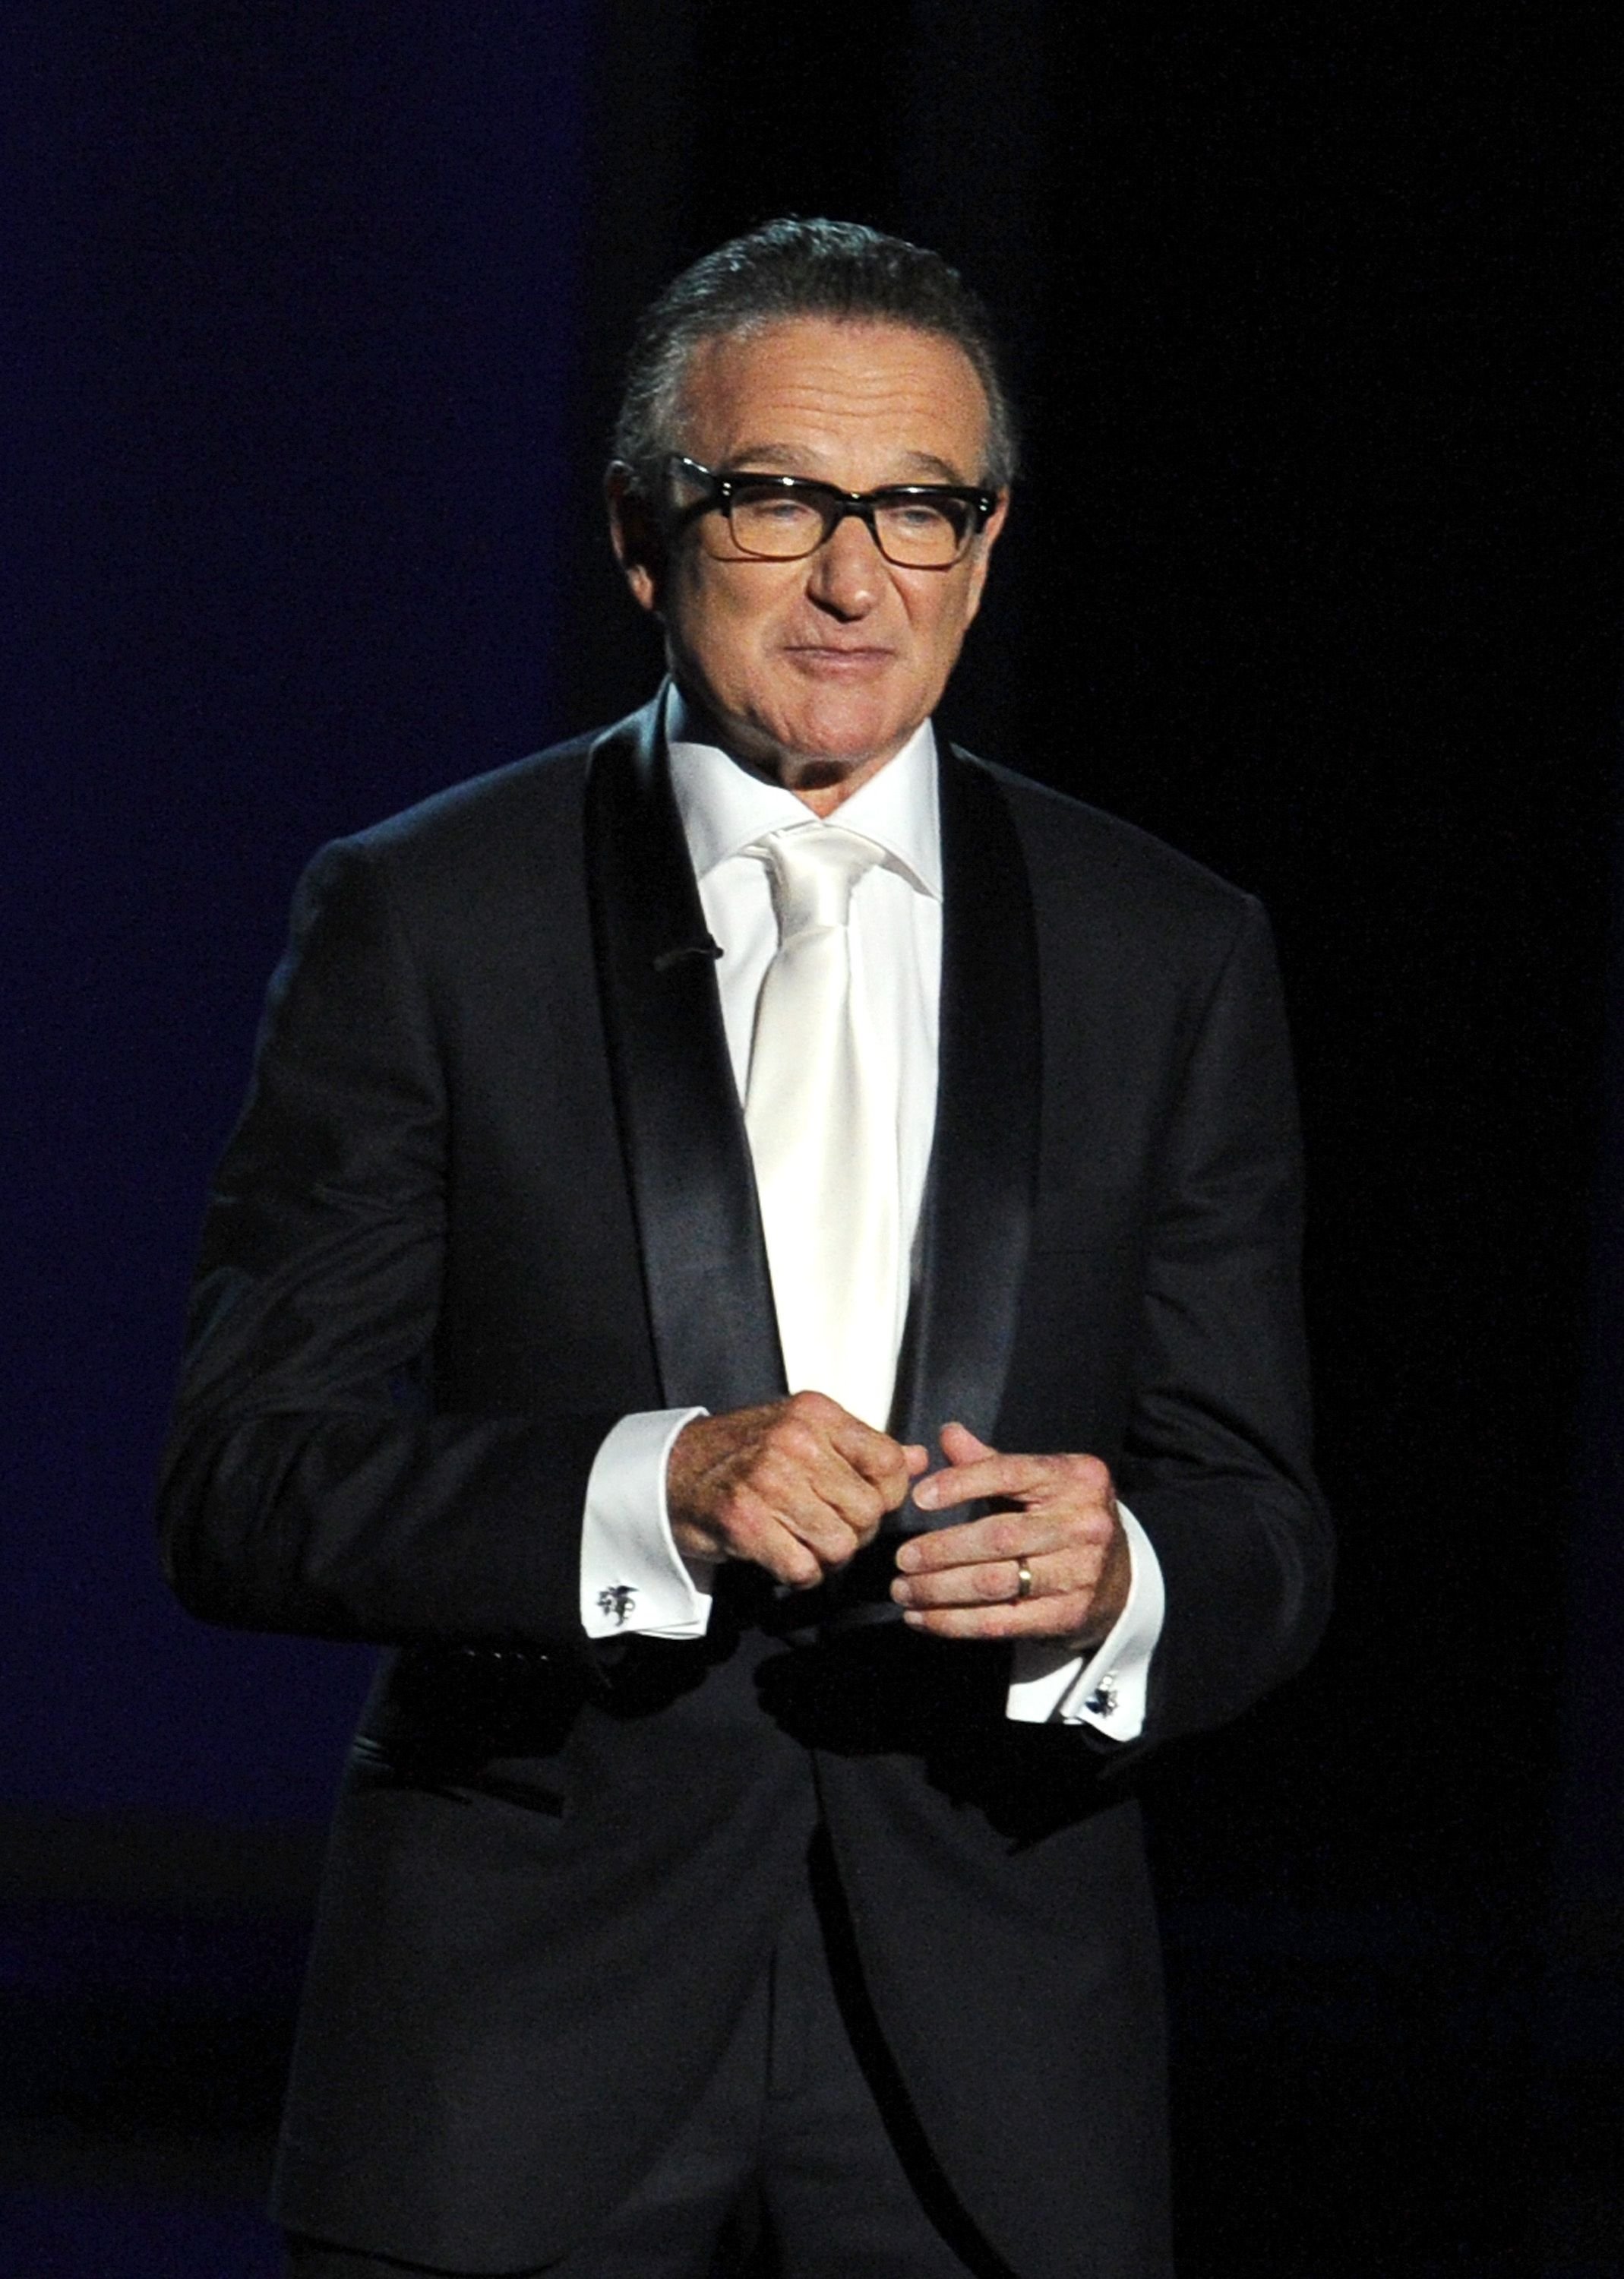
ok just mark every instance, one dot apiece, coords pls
pixel 769 499
pixel 919 515
pixel 924 521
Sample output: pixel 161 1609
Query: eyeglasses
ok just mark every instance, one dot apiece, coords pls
pixel 783 518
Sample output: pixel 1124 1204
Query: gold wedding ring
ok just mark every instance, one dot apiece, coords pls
pixel 1023 1587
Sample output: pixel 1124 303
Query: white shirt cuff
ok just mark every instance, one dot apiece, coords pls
pixel 1106 1689
pixel 634 1581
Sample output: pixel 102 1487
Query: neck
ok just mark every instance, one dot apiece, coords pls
pixel 820 783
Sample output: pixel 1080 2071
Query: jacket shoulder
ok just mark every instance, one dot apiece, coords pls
pixel 537 792
pixel 512 824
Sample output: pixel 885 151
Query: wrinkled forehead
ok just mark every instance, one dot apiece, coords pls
pixel 818 396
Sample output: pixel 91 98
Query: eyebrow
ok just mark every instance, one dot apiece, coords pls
pixel 924 466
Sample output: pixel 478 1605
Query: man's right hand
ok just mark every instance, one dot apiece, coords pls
pixel 798 1486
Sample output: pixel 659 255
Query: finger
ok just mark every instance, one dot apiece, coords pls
pixel 879 1458
pixel 806 1467
pixel 841 1509
pixel 1076 1595
pixel 788 1558
pixel 1060 1619
pixel 785 1525
pixel 960 1444
pixel 1021 1576
pixel 816 1419
pixel 988 1476
pixel 749 1485
pixel 778 1493
pixel 989 1582
pixel 1008 1535
pixel 1083 1480
pixel 746 1527
pixel 833 1513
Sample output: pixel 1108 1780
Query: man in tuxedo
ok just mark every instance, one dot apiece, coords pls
pixel 759 1262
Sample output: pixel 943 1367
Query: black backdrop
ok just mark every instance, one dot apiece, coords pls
pixel 1315 572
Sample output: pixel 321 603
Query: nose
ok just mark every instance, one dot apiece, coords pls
pixel 849 571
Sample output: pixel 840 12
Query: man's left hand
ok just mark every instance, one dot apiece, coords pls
pixel 1062 1528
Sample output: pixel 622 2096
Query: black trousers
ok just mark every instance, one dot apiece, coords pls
pixel 801 2161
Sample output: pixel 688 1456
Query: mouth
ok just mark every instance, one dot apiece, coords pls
pixel 838 661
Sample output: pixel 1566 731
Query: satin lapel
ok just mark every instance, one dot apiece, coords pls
pixel 681 1131
pixel 977 1210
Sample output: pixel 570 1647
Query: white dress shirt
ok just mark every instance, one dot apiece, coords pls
pixel 633 1579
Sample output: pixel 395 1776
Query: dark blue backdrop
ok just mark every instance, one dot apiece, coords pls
pixel 291 376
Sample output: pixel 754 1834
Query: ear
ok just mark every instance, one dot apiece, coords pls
pixel 635 535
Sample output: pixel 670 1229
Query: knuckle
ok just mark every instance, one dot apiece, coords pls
pixel 823 1536
pixel 785 1464
pixel 727 1512
pixel 744 1526
pixel 1091 1476
pixel 762 1479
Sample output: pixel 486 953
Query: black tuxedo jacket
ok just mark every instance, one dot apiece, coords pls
pixel 490 1193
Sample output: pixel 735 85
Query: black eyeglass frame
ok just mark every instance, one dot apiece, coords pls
pixel 832 503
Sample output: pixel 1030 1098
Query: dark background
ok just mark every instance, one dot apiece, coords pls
pixel 312 340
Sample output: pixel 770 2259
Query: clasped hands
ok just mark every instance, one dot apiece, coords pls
pixel 798 1486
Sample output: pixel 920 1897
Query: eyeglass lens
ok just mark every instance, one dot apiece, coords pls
pixel 919 534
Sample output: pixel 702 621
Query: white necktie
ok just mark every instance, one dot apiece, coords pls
pixel 823 1149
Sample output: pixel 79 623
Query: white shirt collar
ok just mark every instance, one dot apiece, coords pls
pixel 725 809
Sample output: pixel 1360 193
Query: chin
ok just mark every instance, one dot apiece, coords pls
pixel 842 739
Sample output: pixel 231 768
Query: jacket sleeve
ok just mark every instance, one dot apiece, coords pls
pixel 308 1484
pixel 1215 1463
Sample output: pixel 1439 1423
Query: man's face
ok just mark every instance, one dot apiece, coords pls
pixel 820 669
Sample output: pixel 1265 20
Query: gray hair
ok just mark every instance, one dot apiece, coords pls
pixel 792 268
